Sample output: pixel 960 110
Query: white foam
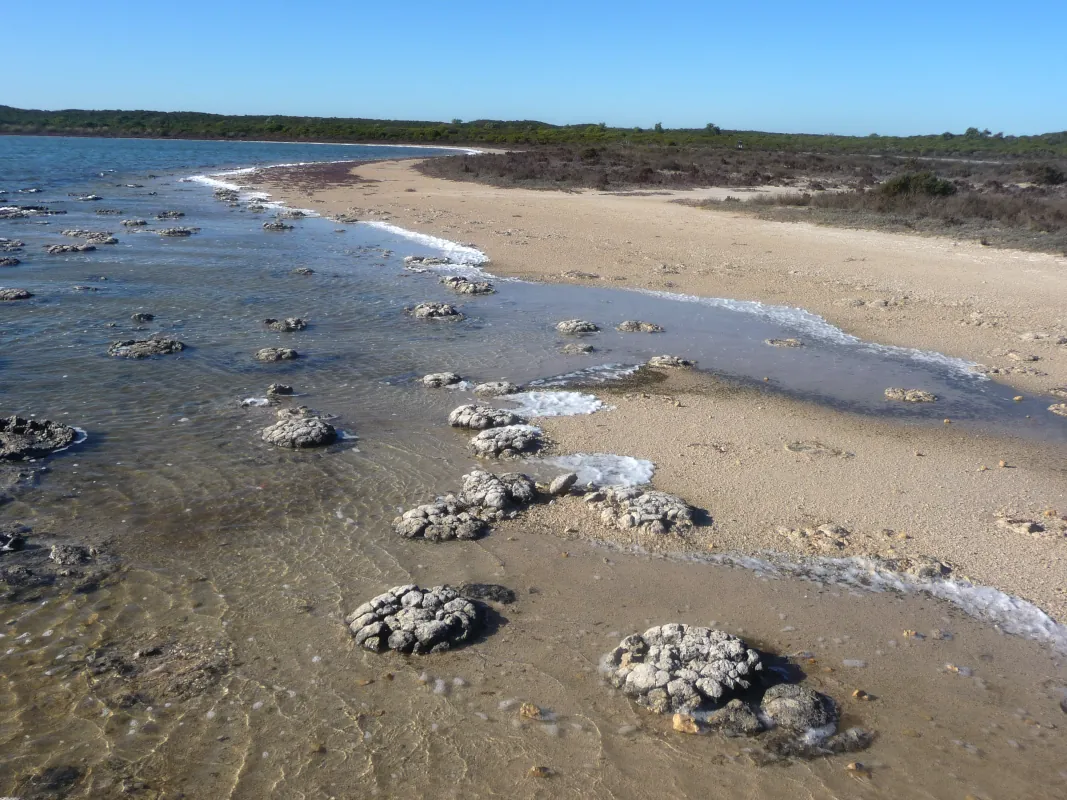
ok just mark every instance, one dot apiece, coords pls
pixel 554 404
pixel 605 469
pixel 255 402
pixel 601 373
pixel 815 327
pixel 81 437
pixel 456 252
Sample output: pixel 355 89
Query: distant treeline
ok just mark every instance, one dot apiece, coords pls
pixel 191 125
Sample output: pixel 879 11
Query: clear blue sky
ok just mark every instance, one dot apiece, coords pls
pixel 843 67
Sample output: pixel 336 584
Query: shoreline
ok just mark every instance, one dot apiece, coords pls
pixel 766 490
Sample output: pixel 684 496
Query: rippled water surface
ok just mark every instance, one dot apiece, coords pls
pixel 249 555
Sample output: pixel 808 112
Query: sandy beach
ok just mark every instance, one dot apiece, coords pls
pixel 770 470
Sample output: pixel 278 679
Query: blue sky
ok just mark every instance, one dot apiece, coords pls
pixel 822 67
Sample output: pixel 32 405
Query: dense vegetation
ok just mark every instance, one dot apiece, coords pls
pixel 192 125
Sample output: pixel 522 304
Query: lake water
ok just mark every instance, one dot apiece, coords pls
pixel 234 545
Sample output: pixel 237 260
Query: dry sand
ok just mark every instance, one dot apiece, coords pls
pixel 724 449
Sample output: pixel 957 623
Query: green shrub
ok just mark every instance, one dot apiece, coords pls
pixel 917 183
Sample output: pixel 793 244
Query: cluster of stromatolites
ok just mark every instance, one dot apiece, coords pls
pixel 413 620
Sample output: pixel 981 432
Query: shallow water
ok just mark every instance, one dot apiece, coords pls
pixel 232 541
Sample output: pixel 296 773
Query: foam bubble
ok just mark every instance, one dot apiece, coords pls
pixel 554 404
pixel 456 252
pixel 602 373
pixel 605 469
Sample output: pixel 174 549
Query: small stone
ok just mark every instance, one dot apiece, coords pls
pixel 437 380
pixel 562 484
pixel 784 342
pixel 288 325
pixel 435 311
pixel 670 362
pixel 276 354
pixel 299 428
pixel 637 326
pixel 539 772
pixel 495 388
pixel 910 395
pixel 683 723
pixel 530 711
pixel 573 327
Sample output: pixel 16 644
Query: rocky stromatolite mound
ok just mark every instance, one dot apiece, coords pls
pixel 299 428
pixel 287 325
pixel 637 326
pixel 484 499
pixel 226 194
pixel 513 441
pixel 279 389
pixel 681 668
pixel 142 317
pixel 1059 409
pixel 135 223
pixel 276 354
pixel 144 348
pixel 9 261
pixel 33 438
pixel 441 311
pixel 413 620
pixel 784 342
pixel 465 286
pixel 670 362
pixel 170 215
pixel 577 349
pixel 799 709
pixel 631 507
pixel 276 225
pixel 425 261
pixel 10 245
pixel 495 388
pixel 910 395
pixel 14 294
pixel 437 380
pixel 303 271
pixel 60 249
pixel 479 417
pixel 93 237
pixel 178 232
pixel 575 326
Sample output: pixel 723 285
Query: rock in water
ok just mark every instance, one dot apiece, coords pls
pixel 464 286
pixel 287 325
pixel 637 326
pixel 784 342
pixel 1060 409
pixel 144 348
pixel 135 223
pixel 14 294
pixel 409 619
pixel 478 417
pixel 279 389
pixel 562 484
pixel 142 317
pixel 670 362
pixel 9 261
pixel 495 388
pixel 681 668
pixel 59 249
pixel 577 349
pixel 437 380
pixel 299 428
pixel 485 498
pixel 178 232
pixel 33 438
pixel 631 507
pixel 572 327
pixel 909 395
pixel 276 354
pixel 799 709
pixel 170 215
pixel 435 311
pixel 512 441
pixel 303 271
pixel 276 225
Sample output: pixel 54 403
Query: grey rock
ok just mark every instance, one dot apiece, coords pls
pixel 144 348
pixel 512 441
pixel 577 349
pixel 633 508
pixel 92 237
pixel 485 490
pixel 464 286
pixel 279 389
pixel 32 438
pixel 409 619
pixel 299 428
pixel 572 327
pixel 303 271
pixel 562 484
pixel 735 719
pixel 495 388
pixel 1059 409
pixel 485 498
pixel 170 215
pixel 178 232
pixel 799 709
pixel 670 362
pixel 14 294
pixel 435 311
pixel 411 262
pixel 491 592
pixel 69 555
pixel 135 223
pixel 60 249
pixel 9 261
pixel 479 417
pixel 784 342
pixel 909 395
pixel 142 317
pixel 637 326
pixel 276 225
pixel 437 380
pixel 287 325
pixel 681 668
pixel 276 354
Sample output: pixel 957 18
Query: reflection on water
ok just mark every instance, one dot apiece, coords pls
pixel 218 666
